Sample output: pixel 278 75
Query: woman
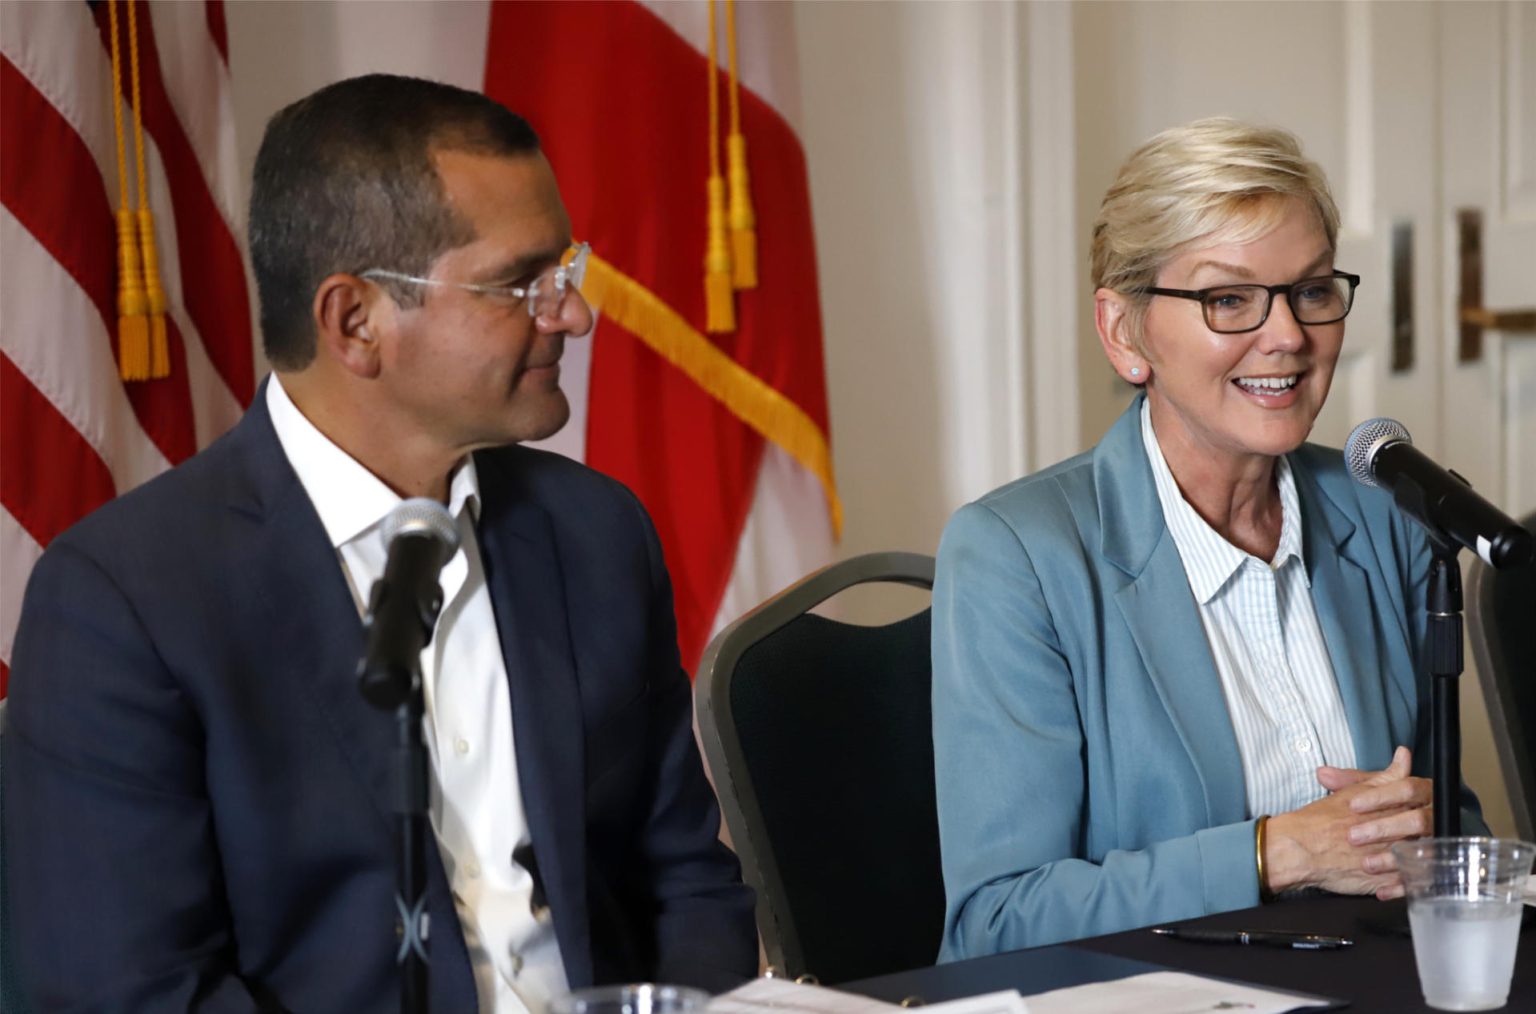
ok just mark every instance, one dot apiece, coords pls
pixel 1170 673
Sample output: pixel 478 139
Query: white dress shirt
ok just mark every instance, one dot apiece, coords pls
pixel 1269 651
pixel 476 807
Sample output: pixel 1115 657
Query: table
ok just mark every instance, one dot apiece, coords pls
pixel 1376 976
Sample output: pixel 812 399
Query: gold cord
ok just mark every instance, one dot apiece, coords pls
pixel 743 221
pixel 133 329
pixel 719 294
pixel 155 302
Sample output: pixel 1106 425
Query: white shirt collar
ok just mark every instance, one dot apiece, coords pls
pixel 349 499
pixel 1210 560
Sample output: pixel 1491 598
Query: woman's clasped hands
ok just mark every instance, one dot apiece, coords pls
pixel 1342 842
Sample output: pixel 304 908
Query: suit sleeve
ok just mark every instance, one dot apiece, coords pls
pixel 1012 782
pixel 116 902
pixel 702 919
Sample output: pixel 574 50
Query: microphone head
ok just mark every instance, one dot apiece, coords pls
pixel 1365 440
pixel 420 516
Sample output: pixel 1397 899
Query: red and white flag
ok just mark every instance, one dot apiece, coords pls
pixel 723 433
pixel 73 434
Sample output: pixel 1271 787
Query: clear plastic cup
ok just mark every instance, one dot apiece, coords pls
pixel 1464 908
pixel 634 998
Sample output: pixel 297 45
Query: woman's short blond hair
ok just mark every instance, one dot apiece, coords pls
pixel 1210 181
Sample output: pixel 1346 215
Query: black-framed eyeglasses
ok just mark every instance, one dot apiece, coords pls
pixel 1234 309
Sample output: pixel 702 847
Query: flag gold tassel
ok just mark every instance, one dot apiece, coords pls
pixel 154 291
pixel 159 356
pixel 743 221
pixel 133 329
pixel 719 293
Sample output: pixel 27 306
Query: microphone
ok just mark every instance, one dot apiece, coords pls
pixel 403 604
pixel 1380 453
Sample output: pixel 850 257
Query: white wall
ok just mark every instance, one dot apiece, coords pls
pixel 905 134
pixel 281 50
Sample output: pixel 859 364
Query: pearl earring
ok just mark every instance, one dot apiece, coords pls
pixel 1135 371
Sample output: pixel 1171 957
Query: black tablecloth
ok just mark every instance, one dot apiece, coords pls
pixel 1376 976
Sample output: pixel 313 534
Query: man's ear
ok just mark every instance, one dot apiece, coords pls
pixel 347 313
pixel 1112 319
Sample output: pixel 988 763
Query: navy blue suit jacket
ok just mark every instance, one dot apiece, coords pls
pixel 197 800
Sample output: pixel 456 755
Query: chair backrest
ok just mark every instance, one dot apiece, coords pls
pixel 1501 624
pixel 819 737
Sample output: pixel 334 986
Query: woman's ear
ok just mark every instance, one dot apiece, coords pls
pixel 1112 318
pixel 345 311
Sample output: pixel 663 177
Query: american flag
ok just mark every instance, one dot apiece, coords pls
pixel 72 433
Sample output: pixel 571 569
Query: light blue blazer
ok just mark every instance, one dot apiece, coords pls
pixel 1088 776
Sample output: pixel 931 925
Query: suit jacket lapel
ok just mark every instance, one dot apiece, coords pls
pixel 1341 589
pixel 309 611
pixel 306 604
pixel 527 593
pixel 1161 613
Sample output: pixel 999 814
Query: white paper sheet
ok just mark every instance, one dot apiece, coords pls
pixel 761 996
pixel 1006 1002
pixel 780 996
pixel 1166 993
pixel 1153 993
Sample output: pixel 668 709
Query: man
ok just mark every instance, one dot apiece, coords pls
pixel 198 801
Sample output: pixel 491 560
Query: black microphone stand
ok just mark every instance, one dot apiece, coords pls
pixel 399 687
pixel 1445 667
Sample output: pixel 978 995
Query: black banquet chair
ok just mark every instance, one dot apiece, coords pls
pixel 1501 624
pixel 819 738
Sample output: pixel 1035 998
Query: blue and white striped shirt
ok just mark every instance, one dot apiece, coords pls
pixel 1268 648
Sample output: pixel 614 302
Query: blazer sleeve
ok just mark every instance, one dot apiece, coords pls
pixel 1011 777
pixel 112 873
pixel 701 912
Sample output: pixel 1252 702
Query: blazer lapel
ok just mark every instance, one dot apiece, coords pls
pixel 310 614
pixel 1157 607
pixel 306 604
pixel 1161 614
pixel 527 593
pixel 1340 590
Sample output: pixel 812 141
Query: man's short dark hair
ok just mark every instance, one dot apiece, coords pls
pixel 345 182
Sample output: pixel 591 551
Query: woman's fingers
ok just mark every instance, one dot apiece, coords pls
pixel 1413 823
pixel 1402 764
pixel 1401 794
pixel 1382 861
pixel 1335 779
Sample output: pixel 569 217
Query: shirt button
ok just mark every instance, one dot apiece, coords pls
pixel 472 870
pixel 461 746
pixel 1303 746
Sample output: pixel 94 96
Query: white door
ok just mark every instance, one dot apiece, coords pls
pixel 1487 56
